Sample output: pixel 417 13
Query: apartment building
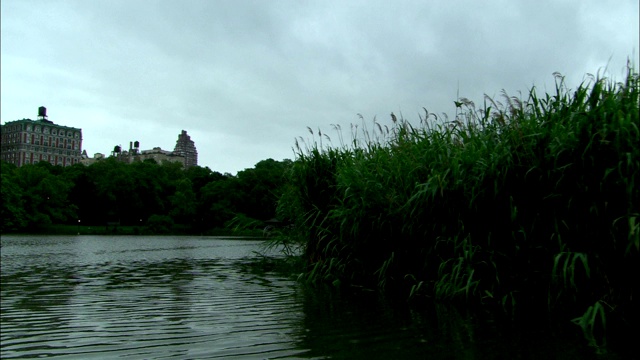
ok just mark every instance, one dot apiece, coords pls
pixel 186 147
pixel 29 141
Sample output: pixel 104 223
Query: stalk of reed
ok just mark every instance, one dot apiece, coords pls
pixel 526 205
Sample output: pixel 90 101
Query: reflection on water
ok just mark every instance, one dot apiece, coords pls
pixel 201 297
pixel 141 298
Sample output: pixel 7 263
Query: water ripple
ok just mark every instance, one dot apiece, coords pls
pixel 144 308
pixel 90 297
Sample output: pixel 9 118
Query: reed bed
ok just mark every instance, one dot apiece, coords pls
pixel 527 205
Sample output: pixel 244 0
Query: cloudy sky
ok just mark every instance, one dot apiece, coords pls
pixel 245 78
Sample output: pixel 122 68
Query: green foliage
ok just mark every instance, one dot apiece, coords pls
pixel 159 224
pixel 33 197
pixel 261 187
pixel 244 225
pixel 13 211
pixel 197 200
pixel 521 205
pixel 219 199
pixel 183 202
pixel 593 324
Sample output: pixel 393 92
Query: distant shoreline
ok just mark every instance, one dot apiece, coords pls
pixel 131 230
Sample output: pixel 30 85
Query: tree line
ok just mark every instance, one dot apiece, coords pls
pixel 160 197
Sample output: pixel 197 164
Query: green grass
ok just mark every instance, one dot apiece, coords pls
pixel 527 205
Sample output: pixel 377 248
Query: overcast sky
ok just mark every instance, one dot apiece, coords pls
pixel 245 78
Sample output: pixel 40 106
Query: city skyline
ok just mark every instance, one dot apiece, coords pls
pixel 28 141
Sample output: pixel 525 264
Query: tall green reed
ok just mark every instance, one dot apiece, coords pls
pixel 526 205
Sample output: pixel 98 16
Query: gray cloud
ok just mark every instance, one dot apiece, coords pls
pixel 246 78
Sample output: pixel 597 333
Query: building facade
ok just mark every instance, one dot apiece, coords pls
pixel 186 147
pixel 160 155
pixel 29 141
pixel 135 154
pixel 86 160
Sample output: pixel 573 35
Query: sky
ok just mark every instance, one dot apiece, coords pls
pixel 246 78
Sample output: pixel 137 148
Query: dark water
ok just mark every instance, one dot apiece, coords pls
pixel 82 297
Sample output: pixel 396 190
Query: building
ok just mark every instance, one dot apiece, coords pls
pixel 160 155
pixel 86 160
pixel 135 154
pixel 187 148
pixel 29 141
pixel 185 152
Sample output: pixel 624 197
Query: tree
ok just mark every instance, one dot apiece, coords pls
pixel 262 187
pixel 183 203
pixel 159 224
pixel 44 196
pixel 12 212
pixel 84 193
pixel 114 193
pixel 219 200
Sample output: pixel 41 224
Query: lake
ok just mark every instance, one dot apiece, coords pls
pixel 146 297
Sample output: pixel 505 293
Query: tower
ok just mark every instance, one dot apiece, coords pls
pixel 186 147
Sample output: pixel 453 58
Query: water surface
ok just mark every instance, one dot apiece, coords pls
pixel 83 297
